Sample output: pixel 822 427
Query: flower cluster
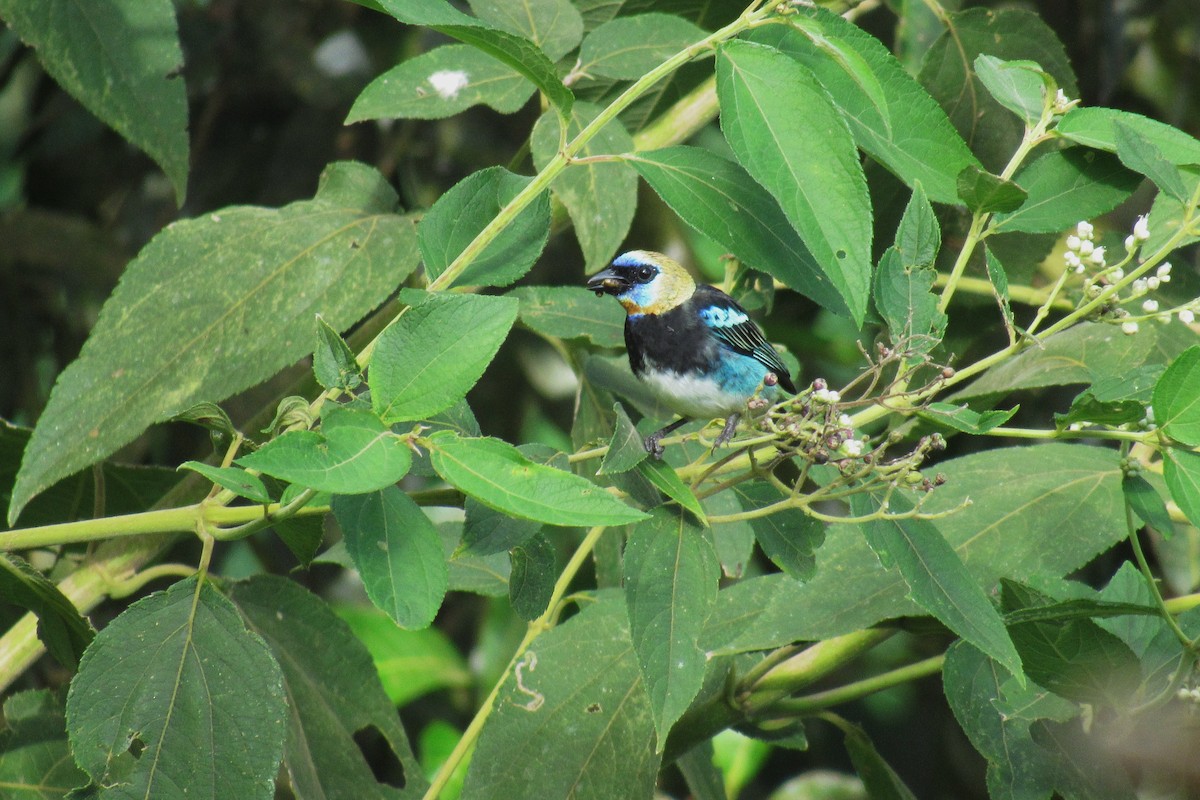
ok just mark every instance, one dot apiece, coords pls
pixel 1082 251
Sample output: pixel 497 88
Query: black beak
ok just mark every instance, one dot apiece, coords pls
pixel 608 282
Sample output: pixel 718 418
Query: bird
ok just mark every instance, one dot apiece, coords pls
pixel 691 344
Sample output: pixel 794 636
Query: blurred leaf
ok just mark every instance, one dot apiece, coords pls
pixel 1083 769
pixel 1068 494
pixel 353 453
pixel 207 713
pixel 495 473
pixel 570 312
pixel 985 193
pixel 434 353
pixel 334 363
pixel 786 132
pixel 1019 86
pixel 789 537
pixel 516 51
pixel 435 744
pixel 991 131
pixel 121 60
pixel 553 25
pixel 891 116
pixel 628 47
pixel 579 684
pixel 1177 398
pixel 463 211
pixel 701 774
pixel 719 199
pixel 671 576
pixel 333 691
pixel 665 479
pixel 61 628
pixel 1146 502
pixel 35 762
pixel 1066 186
pixel 398 554
pixel 962 418
pixel 441 83
pixel 242 282
pixel 937 578
pixel 601 197
pixel 878 777
pixel 1181 470
pixel 531 582
pixel 410 664
pixel 238 481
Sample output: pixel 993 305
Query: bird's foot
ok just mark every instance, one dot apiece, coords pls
pixel 728 431
pixel 653 444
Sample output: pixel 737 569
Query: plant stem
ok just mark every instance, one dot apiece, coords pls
pixel 1035 433
pixel 536 628
pixel 1027 295
pixel 1151 582
pixel 807 666
pixel 859 689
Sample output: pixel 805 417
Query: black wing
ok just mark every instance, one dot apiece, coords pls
pixel 730 323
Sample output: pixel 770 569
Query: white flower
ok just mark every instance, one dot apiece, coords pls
pixel 1086 247
pixel 1139 286
pixel 1150 306
pixel 1117 274
pixel 1084 229
pixel 852 447
pixel 844 421
pixel 1186 316
pixel 1164 272
pixel 1098 256
pixel 1141 229
pixel 1130 243
pixel 1149 415
pixel 1073 261
pixel 1152 282
pixel 827 396
pixel 1061 101
pixel 1073 242
pixel 1129 328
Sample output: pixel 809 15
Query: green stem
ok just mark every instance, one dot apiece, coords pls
pixel 536 628
pixel 806 667
pixel 859 689
pixel 1026 295
pixel 1151 582
pixel 134 583
pixel 1035 433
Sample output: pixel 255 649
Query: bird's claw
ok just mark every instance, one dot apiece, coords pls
pixel 653 444
pixel 726 435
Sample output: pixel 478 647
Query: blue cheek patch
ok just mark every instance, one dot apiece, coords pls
pixel 718 317
pixel 641 294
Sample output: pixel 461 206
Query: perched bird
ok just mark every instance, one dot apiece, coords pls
pixel 695 348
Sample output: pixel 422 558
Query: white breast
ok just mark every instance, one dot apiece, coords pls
pixel 692 395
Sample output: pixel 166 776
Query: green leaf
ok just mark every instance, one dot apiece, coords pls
pixel 1019 86
pixel 985 193
pixel 61 628
pixel 1097 127
pixel 496 474
pixel 1113 400
pixel 398 554
pixel 334 363
pixel 904 297
pixel 627 48
pixel 410 664
pixel 1141 155
pixel 516 51
pixel 35 763
pixel 891 116
pixel 1068 494
pixel 120 60
pixel 569 312
pixel 962 418
pixel 1084 768
pixel 789 537
pixel 485 575
pixel 1177 398
pixel 626 448
pixel 441 83
pixel 487 531
pixel 878 777
pixel 238 481
pixel 1066 186
pixel 434 353
pixel 665 479
pixel 671 576
pixel 786 132
pixel 919 236
pixel 718 198
pixel 333 693
pixel 937 578
pixel 947 71
pixel 601 197
pixel 205 714
pixel 576 722
pixel 1147 503
pixel 531 582
pixel 1181 471
pixel 999 279
pixel 240 282
pixel 461 213
pixel 354 453
pixel 553 25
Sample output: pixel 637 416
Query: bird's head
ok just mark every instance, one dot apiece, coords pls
pixel 644 282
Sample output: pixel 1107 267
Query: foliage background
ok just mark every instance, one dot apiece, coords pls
pixel 269 85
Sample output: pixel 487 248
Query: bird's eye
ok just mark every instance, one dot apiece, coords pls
pixel 645 274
